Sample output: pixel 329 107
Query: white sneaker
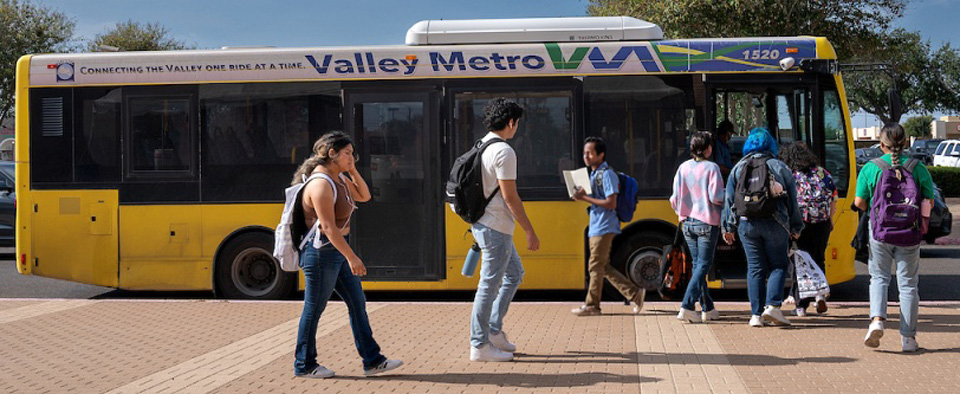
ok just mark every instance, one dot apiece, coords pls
pixel 489 353
pixel 874 333
pixel 320 372
pixel 801 312
pixel 756 321
pixel 909 344
pixel 499 340
pixel 385 366
pixel 790 300
pixel 585 310
pixel 774 316
pixel 714 314
pixel 688 316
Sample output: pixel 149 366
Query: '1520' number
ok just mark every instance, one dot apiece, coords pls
pixel 761 54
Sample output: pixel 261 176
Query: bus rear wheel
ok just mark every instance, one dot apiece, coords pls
pixel 246 269
pixel 638 257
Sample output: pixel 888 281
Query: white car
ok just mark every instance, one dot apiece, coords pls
pixel 947 154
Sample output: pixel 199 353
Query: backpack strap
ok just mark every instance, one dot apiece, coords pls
pixel 911 164
pixel 315 229
pixel 482 146
pixel 879 162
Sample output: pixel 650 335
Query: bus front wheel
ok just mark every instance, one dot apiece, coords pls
pixel 638 257
pixel 246 269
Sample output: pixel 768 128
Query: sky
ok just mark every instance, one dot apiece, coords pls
pixel 287 23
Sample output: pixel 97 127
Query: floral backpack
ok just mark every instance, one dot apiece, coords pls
pixel 815 194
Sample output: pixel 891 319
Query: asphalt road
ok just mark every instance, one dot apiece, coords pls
pixel 939 276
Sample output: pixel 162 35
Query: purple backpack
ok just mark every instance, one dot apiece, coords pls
pixel 895 208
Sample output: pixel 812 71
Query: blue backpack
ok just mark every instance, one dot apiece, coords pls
pixel 627 197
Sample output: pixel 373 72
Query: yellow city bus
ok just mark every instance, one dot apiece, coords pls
pixel 166 170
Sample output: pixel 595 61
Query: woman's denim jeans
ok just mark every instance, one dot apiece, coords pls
pixel 907 260
pixel 702 242
pixel 766 244
pixel 325 271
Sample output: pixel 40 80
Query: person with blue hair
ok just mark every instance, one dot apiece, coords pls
pixel 760 140
pixel 761 205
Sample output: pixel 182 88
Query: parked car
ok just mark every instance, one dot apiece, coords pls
pixel 8 212
pixel 947 154
pixel 924 149
pixel 941 220
pixel 864 155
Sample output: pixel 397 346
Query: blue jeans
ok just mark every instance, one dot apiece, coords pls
pixel 325 271
pixel 500 276
pixel 702 240
pixel 907 260
pixel 765 243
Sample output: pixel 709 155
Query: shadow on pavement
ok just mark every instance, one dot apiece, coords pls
pixel 372 295
pixel 946 323
pixel 164 295
pixel 525 380
pixel 661 358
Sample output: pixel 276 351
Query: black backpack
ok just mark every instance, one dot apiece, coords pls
pixel 753 199
pixel 464 190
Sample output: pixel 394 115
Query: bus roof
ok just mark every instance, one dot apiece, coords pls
pixel 415 62
pixel 526 30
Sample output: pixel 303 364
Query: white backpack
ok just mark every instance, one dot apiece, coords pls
pixel 284 248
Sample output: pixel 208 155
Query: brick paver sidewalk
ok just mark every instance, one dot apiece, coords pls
pixel 240 347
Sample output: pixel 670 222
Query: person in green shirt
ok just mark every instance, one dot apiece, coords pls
pixel 893 140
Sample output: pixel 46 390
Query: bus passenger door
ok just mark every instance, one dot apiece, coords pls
pixel 398 234
pixel 781 104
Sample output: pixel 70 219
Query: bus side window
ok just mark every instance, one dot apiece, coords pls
pixel 160 135
pixel 51 136
pixel 97 145
pixel 543 143
pixel 645 121
pixel 254 136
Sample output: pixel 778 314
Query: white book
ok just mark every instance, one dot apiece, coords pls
pixel 577 178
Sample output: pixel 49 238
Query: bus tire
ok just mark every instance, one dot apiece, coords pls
pixel 638 257
pixel 246 269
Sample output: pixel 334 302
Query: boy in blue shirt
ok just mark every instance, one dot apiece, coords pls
pixel 604 226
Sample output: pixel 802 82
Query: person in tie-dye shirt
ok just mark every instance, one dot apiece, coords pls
pixel 698 200
pixel 817 200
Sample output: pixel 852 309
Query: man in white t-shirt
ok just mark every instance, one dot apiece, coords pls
pixel 502 271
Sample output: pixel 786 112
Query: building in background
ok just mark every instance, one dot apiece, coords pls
pixel 6 128
pixel 871 133
pixel 947 127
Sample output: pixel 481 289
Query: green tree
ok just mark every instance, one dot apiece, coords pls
pixel 134 36
pixel 853 26
pixel 918 126
pixel 946 66
pixel 928 80
pixel 26 28
pixel 911 74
